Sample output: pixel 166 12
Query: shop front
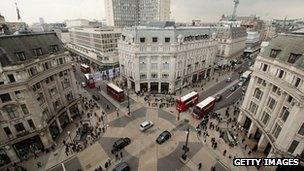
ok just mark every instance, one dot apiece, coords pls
pixel 4 159
pixel 74 111
pixel 247 123
pixel 28 147
pixel 208 73
pixel 144 87
pixel 201 75
pixel 154 87
pixel 194 78
pixel 164 87
pixel 132 85
pixel 54 130
pixel 64 120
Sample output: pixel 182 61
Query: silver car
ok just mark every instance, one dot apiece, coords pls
pixel 241 83
pixel 145 125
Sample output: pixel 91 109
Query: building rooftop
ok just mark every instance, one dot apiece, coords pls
pixel 161 24
pixel 93 29
pixel 231 32
pixel 299 31
pixel 26 43
pixel 165 25
pixel 286 44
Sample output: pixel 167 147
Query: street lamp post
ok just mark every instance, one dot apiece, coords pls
pixel 69 133
pixel 185 147
pixel 129 110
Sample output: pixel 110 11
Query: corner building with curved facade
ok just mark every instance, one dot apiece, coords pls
pixel 38 94
pixel 163 58
pixel 273 108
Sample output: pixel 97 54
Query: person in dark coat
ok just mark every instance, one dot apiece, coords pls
pixel 106 165
pixel 199 166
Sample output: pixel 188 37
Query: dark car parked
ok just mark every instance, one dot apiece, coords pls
pixel 120 144
pixel 164 136
pixel 233 88
pixel 122 167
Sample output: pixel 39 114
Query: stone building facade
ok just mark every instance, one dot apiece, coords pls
pixel 231 41
pixel 97 45
pixel 38 94
pixel 163 58
pixel 272 110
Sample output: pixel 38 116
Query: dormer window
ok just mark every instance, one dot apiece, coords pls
pixel 38 52
pixel 274 53
pixel 142 40
pixel 167 39
pixel 293 57
pixel 154 39
pixel 21 56
pixel 54 48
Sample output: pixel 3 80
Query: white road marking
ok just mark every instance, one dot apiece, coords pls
pixel 226 88
pixel 232 93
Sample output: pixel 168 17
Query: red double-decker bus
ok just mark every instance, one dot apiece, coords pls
pixel 90 81
pixel 203 108
pixel 85 68
pixel 187 101
pixel 115 92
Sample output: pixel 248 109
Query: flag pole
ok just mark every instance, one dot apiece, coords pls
pixel 18 13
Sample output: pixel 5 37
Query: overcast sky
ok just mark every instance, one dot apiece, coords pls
pixel 181 10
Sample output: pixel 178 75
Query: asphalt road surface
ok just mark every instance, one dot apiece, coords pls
pixel 228 97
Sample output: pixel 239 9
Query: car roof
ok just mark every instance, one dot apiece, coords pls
pixel 120 140
pixel 145 123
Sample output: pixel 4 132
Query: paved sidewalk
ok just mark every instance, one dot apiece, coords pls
pixel 53 158
pixel 57 156
pixel 210 157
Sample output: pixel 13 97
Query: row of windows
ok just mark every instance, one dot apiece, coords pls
pixel 281 74
pixel 36 52
pixel 37 86
pixel 154 39
pixel 293 57
pixel 33 70
pixel 12 110
pixel 19 128
pixel 271 103
pixel 47 65
pixel 274 89
pixel 154 66
pixel 153 75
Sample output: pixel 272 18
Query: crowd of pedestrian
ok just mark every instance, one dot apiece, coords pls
pixel 216 121
pixel 87 131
